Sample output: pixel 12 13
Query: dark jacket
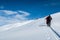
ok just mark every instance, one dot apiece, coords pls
pixel 48 19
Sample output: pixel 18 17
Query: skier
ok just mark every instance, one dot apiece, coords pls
pixel 48 20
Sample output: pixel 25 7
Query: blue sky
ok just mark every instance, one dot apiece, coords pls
pixel 36 8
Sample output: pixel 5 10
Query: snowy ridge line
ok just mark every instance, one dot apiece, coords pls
pixel 7 27
pixel 55 33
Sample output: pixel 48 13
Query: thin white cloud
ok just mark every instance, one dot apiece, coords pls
pixel 7 18
pixel 24 13
pixel 52 4
pixel 8 12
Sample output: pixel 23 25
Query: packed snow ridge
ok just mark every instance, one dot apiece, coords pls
pixel 31 30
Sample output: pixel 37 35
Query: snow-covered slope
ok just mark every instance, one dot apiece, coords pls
pixel 31 30
pixel 10 26
pixel 56 22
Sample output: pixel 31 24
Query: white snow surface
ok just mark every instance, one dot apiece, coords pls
pixel 31 30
